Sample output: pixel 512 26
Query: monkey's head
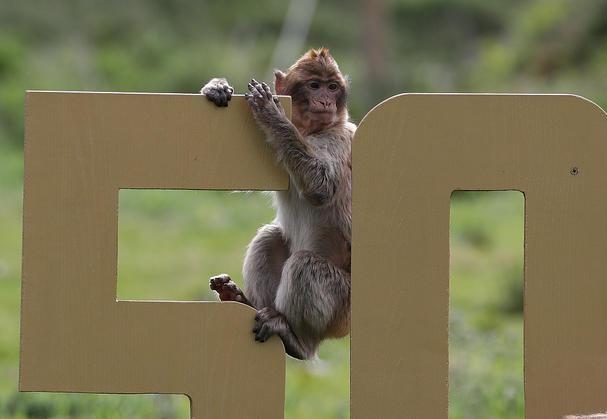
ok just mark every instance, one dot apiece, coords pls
pixel 318 90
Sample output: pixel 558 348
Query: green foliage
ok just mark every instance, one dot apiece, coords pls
pixel 427 45
pixel 486 335
pixel 44 406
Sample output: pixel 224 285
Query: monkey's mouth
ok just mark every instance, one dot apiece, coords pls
pixel 321 110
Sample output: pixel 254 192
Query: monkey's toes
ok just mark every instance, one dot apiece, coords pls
pixel 217 282
pixel 227 289
pixel 230 288
pixel 264 324
pixel 265 314
pixel 263 333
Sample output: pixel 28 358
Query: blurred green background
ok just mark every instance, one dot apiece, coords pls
pixel 175 240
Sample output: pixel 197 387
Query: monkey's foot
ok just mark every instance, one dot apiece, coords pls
pixel 227 289
pixel 268 322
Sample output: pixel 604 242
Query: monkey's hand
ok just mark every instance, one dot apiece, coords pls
pixel 218 91
pixel 266 108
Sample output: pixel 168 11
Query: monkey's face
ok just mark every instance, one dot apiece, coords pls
pixel 319 98
pixel 317 88
pixel 322 97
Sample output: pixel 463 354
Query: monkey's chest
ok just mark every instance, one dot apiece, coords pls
pixel 317 229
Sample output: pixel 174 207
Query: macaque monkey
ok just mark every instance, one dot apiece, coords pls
pixel 297 269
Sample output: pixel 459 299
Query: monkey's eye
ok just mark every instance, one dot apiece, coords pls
pixel 333 86
pixel 314 85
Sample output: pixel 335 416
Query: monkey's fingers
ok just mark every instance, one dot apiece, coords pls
pixel 259 88
pixel 223 98
pixel 211 96
pixel 218 97
pixel 256 93
pixel 227 90
pixel 266 90
pixel 251 101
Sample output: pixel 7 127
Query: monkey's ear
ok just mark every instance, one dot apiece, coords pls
pixel 279 82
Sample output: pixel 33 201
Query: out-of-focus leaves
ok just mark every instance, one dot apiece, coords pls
pixel 429 45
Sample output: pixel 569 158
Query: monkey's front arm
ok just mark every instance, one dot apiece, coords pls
pixel 313 176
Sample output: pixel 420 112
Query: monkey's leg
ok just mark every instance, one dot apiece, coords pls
pixel 312 302
pixel 227 289
pixel 263 263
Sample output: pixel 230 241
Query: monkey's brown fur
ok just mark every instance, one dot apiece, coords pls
pixel 297 269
